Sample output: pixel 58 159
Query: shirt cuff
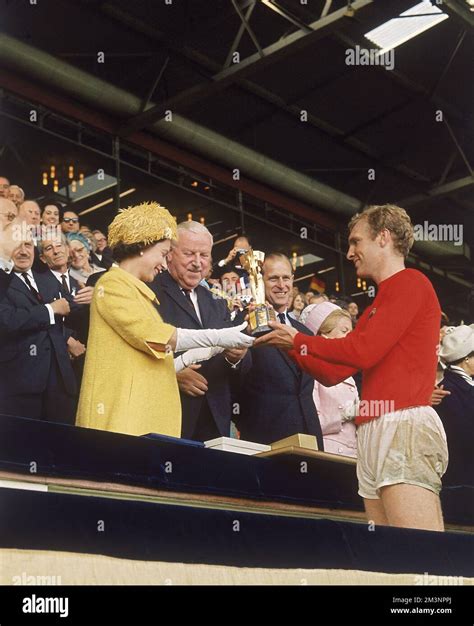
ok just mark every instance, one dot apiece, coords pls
pixel 51 314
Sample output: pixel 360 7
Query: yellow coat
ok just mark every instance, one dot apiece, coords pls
pixel 127 386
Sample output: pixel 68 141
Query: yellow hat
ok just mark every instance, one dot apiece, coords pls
pixel 145 223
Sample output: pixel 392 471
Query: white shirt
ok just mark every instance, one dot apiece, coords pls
pixel 59 276
pixel 460 372
pixel 285 313
pixel 35 286
pixel 194 300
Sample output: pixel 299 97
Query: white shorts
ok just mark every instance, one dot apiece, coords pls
pixel 406 446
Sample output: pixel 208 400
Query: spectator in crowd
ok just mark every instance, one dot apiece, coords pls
pixel 129 344
pixel 8 217
pixel 16 195
pixel 4 187
pixel 402 452
pixel 30 212
pixel 36 377
pixel 276 397
pixel 308 295
pixel 100 240
pixel 50 215
pixel 353 309
pixel 241 243
pixel 205 394
pixel 85 230
pixel 231 290
pixel 229 281
pixel 70 222
pixel 457 409
pixel 297 306
pixel 8 211
pixel 103 254
pixel 54 253
pixel 319 298
pixel 336 405
pixel 81 267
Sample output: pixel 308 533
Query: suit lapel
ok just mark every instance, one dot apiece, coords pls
pixel 204 305
pixel 19 285
pixel 172 289
pixel 48 286
pixel 295 369
pixel 289 362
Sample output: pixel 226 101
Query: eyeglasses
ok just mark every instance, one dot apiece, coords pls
pixel 74 220
pixel 10 216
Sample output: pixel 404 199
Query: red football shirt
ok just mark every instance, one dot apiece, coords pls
pixel 394 344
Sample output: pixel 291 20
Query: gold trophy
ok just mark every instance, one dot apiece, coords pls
pixel 252 261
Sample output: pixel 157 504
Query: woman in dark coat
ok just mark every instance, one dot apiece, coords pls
pixel 457 410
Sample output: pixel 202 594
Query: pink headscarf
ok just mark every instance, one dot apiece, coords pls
pixel 315 314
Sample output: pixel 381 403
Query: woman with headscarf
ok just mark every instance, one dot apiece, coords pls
pixel 336 405
pixel 81 266
pixel 129 384
pixel 456 410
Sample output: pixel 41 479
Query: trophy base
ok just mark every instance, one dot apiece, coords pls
pixel 259 318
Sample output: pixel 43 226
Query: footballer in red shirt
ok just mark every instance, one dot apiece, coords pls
pixel 402 452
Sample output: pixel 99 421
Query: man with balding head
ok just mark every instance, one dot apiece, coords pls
pixel 8 215
pixel 30 212
pixel 8 212
pixel 276 397
pixel 205 389
pixel 16 195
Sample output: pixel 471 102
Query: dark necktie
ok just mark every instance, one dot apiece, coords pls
pixel 65 285
pixel 187 295
pixel 36 293
pixel 282 318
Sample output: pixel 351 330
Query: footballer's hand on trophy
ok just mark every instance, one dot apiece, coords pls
pixel 282 336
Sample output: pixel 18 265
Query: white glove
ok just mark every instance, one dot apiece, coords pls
pixel 226 338
pixel 196 355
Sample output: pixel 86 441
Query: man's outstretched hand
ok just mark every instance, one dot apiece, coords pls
pixel 282 336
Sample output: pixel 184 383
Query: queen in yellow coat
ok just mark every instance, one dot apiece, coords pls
pixel 129 383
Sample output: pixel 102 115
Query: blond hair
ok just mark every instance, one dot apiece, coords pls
pixel 393 218
pixel 330 322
